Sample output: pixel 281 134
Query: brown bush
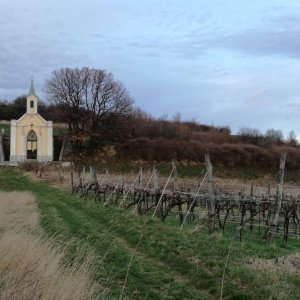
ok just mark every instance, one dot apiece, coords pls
pixel 228 154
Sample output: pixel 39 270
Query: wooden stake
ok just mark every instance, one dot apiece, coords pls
pixel 72 177
pixel 274 223
pixel 211 202
pixel 155 180
pixel 175 175
pixel 140 178
pixel 1 148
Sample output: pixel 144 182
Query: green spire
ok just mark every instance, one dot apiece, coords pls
pixel 32 91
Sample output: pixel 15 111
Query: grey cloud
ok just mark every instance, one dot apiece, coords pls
pixel 23 56
pixel 292 106
pixel 278 36
pixel 161 45
pixel 263 42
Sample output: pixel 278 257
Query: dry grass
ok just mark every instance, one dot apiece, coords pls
pixel 286 264
pixel 31 267
pixel 278 270
pixel 18 211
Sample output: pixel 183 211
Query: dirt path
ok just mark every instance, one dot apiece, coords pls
pixel 31 267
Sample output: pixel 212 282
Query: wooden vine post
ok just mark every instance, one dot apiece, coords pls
pixel 211 197
pixel 157 192
pixel 175 176
pixel 278 200
pixel 1 147
pixel 155 180
pixel 141 195
pixel 176 190
pixel 60 176
pixel 140 180
pixel 72 176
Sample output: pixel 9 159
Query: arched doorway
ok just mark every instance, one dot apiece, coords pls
pixel 31 145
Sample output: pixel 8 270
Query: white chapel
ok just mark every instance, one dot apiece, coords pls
pixel 31 136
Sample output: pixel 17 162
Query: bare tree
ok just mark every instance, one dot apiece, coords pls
pixel 250 135
pixel 88 97
pixel 292 138
pixel 274 136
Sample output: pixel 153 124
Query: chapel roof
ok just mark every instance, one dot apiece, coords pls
pixel 32 91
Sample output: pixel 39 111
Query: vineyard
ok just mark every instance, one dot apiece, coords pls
pixel 170 237
pixel 268 212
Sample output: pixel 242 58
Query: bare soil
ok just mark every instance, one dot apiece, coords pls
pixel 286 264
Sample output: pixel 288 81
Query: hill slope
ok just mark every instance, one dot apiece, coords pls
pixel 142 259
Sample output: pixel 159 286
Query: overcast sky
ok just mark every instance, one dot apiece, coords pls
pixel 220 62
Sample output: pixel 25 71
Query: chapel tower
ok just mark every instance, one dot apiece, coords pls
pixel 32 100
